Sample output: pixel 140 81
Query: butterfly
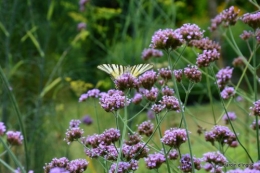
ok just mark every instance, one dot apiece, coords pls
pixel 115 70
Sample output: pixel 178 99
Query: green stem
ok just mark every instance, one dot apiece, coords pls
pixel 97 119
pixel 210 96
pixel 164 150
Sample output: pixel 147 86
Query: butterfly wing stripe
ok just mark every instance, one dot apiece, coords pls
pixel 140 68
pixel 113 69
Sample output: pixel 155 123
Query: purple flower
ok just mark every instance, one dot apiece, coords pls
pixel 167 91
pixel 78 165
pixel 14 138
pixel 135 151
pixel 178 75
pixel 110 136
pixel 94 93
pixel 205 44
pixel 2 128
pixel 171 103
pixel 154 161
pixel 126 81
pixel 227 93
pixel 60 163
pixel 186 164
pixel 165 73
pixel 87 120
pixel 123 167
pixel 166 39
pixel 113 101
pixel 149 53
pixel 192 73
pixel 220 134
pixel 231 115
pixel 207 57
pixel 252 20
pixel 173 154
pixel 83 97
pixel 73 134
pixel 256 108
pixel 152 94
pixel 58 170
pixel 74 123
pixel 214 161
pixel 223 76
pixel 93 140
pixel 157 108
pixel 150 114
pixel 137 98
pixel 190 32
pixel 148 79
pixel 133 139
pixel 246 35
pixel 174 137
pixel 146 128
pixel 81 26
pixel 253 125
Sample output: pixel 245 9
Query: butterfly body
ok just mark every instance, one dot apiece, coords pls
pixel 115 70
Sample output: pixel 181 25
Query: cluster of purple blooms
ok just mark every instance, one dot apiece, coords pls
pixel 186 164
pixel 14 138
pixel 229 116
pixel 174 137
pixel 73 132
pixel 64 165
pixel 149 53
pixel 214 161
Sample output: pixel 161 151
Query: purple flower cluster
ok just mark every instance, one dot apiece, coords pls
pixel 73 132
pixel 214 161
pixel 186 164
pixel 173 154
pixel 174 137
pixel 150 114
pixel 256 108
pixel 246 35
pixel 205 44
pixel 63 164
pixel 151 94
pixel 166 91
pixel 87 120
pixel 157 108
pixel 253 125
pixel 2 128
pixel 227 92
pixel 178 75
pixel 137 98
pixel 165 73
pixel 207 57
pixel 113 100
pixel 223 76
pixel 170 103
pixel 148 79
pixel 222 135
pixel 123 167
pixel 14 138
pixel 229 116
pixel 227 17
pixel 82 4
pixel 193 73
pixel 253 20
pixel 149 53
pixel 146 128
pixel 190 32
pixel 135 151
pixel 94 93
pixel 81 26
pixel 166 39
pixel 154 161
pixel 126 81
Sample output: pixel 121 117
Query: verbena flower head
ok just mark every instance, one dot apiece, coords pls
pixel 58 170
pixel 93 93
pixel 87 120
pixel 253 125
pixel 205 44
pixel 167 91
pixel 246 35
pixel 256 108
pixel 110 136
pixel 165 73
pixel 137 98
pixel 154 161
pixel 253 20
pixel 73 134
pixel 223 76
pixel 146 128
pixel 124 167
pixel 14 138
pixel 92 140
pixel 178 75
pixel 238 62
pixel 220 134
pixel 62 162
pixel 214 160
pixel 170 103
pixel 151 94
pixel 74 123
pixel 229 116
pixel 193 73
pixel 150 114
pixel 190 32
pixel 2 128
pixel 157 108
pixel 207 57
pixel 186 164
pixel 227 92
pixel 113 100
pixel 81 26
pixel 78 165
pixel 174 137
pixel 166 39
pixel 135 151
pixel 126 81
pixel 173 154
pixel 227 17
pixel 110 152
pixel 133 139
pixel 148 79
pixel 149 53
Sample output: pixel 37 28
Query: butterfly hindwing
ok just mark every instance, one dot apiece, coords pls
pixel 136 70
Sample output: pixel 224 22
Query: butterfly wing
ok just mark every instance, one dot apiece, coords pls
pixel 113 70
pixel 138 69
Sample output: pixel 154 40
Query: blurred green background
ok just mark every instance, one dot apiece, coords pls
pixel 49 57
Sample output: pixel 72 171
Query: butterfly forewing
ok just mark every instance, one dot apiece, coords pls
pixel 136 70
